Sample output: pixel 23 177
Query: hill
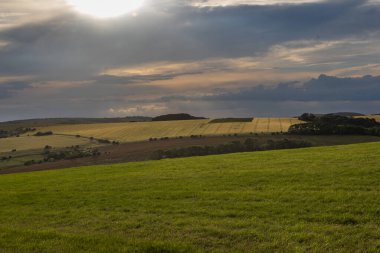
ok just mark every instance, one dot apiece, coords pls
pixel 347 114
pixel 178 116
pixel 67 121
pixel 307 200
pixel 143 131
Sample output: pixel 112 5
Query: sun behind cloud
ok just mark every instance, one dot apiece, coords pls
pixel 105 8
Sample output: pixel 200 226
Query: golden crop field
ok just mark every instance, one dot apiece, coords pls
pixel 141 131
pixel 377 117
pixel 24 143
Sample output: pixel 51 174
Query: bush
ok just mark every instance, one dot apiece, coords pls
pixel 29 163
pixel 104 141
pixel 44 133
pixel 15 132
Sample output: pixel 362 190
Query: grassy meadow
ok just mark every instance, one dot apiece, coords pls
pixel 141 131
pixel 323 199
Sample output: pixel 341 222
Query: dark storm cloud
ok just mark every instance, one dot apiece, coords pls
pixel 66 56
pixel 325 88
pixel 7 88
pixel 71 47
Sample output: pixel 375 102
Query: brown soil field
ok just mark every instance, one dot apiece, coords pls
pixel 142 151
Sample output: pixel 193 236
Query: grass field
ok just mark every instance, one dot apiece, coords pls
pixel 141 131
pixel 308 200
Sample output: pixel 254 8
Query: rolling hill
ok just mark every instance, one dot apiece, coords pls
pixel 322 199
pixel 142 131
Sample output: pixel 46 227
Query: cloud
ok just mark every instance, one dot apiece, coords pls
pixel 8 88
pixel 206 57
pixel 319 95
pixel 323 88
pixel 208 3
pixel 71 46
pixel 147 109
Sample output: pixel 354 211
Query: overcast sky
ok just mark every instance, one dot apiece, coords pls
pixel 213 58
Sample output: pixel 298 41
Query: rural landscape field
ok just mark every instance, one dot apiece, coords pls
pixel 302 184
pixel 142 131
pixel 314 199
pixel 205 126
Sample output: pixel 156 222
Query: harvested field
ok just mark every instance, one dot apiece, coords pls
pixel 141 131
pixel 376 117
pixel 24 143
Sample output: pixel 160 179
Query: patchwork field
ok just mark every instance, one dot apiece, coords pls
pixel 24 143
pixel 307 200
pixel 141 131
pixel 26 148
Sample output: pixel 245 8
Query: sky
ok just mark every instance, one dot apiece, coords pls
pixel 214 58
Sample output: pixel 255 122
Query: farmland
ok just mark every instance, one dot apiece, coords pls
pixel 26 148
pixel 141 131
pixel 143 151
pixel 275 201
pixel 376 117
pixel 24 143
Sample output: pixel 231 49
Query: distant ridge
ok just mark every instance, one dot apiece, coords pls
pixel 347 114
pixel 178 116
pixel 344 114
pixel 70 121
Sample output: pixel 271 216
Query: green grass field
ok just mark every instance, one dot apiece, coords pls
pixel 141 131
pixel 308 200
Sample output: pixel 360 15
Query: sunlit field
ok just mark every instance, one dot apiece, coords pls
pixel 24 143
pixel 141 131
pixel 376 117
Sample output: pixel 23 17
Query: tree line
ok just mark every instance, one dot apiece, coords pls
pixel 249 145
pixel 331 124
pixel 15 132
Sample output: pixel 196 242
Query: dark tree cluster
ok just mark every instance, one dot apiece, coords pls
pixel 70 153
pixel 249 145
pixel 73 152
pixel 331 124
pixel 16 132
pixel 5 158
pixel 105 141
pixel 39 134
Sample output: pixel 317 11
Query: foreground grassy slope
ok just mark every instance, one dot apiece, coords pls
pixel 142 131
pixel 308 200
